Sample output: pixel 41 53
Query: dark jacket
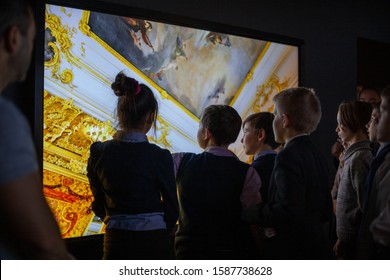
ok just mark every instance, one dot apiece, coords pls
pixel 264 166
pixel 299 203
pixel 132 178
pixel 209 189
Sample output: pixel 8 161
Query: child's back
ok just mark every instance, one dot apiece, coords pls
pixel 213 187
pixel 209 188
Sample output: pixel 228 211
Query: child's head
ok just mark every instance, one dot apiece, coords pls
pixel 137 106
pixel 220 122
pixel 383 131
pixel 296 109
pixel 352 118
pixel 372 124
pixel 258 132
pixel 370 95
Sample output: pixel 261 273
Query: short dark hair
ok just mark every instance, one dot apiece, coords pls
pixel 355 115
pixel 15 12
pixel 263 120
pixel 223 122
pixel 135 102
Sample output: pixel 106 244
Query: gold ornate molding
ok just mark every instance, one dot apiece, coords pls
pixel 70 200
pixel 163 129
pixel 69 132
pixel 266 91
pixel 83 24
pixel 59 46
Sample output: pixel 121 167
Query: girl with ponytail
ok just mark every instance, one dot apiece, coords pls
pixel 133 181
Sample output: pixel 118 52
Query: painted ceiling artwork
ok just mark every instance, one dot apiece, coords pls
pixel 187 69
pixel 196 67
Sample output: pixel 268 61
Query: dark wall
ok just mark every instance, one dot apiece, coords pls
pixel 329 29
pixel 373 63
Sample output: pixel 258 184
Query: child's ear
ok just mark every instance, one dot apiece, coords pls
pixel 286 121
pixel 207 134
pixel 260 135
pixel 12 38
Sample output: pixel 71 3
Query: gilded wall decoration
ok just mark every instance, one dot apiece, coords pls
pixel 67 127
pixel 163 129
pixel 68 134
pixel 70 200
pixel 58 45
pixel 265 93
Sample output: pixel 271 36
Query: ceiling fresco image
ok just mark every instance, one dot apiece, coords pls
pixel 196 67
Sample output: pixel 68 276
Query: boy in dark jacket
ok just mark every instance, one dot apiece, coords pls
pixel 213 188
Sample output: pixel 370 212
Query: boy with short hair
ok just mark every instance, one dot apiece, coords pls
pixel 213 187
pixel 299 201
pixel 259 140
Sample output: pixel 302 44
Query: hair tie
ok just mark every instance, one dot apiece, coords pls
pixel 138 89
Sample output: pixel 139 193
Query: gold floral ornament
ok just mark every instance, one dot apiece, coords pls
pixel 64 11
pixel 58 45
pixel 97 131
pixel 69 132
pixel 83 24
pixel 163 130
pixel 266 91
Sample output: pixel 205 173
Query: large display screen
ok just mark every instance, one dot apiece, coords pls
pixel 188 68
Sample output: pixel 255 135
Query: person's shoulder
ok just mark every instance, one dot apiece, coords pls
pixel 296 149
pixel 10 114
pixel 264 160
pixel 160 151
pixel 361 155
pixel 156 147
pixel 13 125
pixel 269 157
pixel 6 106
pixel 99 146
pixel 360 150
pixel 186 155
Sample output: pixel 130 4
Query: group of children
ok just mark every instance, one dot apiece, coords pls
pixel 360 189
pixel 217 206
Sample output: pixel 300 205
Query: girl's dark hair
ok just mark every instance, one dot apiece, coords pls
pixel 263 120
pixel 135 102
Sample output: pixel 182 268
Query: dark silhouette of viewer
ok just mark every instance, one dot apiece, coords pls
pixel 28 228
